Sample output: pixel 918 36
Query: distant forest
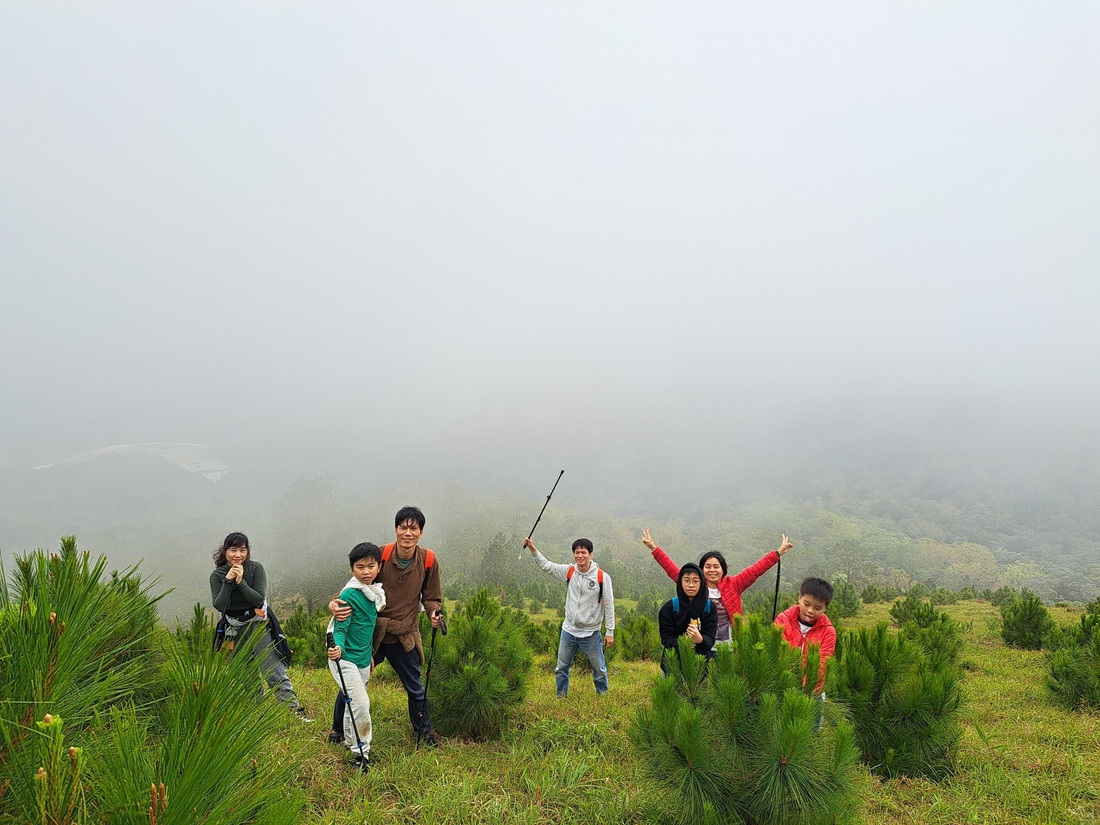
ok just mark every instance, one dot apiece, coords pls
pixel 982 508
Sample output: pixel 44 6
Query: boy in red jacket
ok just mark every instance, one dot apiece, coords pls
pixel 805 623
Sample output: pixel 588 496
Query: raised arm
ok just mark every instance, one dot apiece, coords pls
pixel 558 571
pixel 661 557
pixel 754 571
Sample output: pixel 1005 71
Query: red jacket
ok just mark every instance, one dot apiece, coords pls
pixel 822 633
pixel 731 587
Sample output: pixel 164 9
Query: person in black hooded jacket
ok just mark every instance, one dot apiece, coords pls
pixel 689 614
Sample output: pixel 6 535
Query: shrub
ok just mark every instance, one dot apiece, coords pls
pixel 199 633
pixel 872 594
pixel 736 742
pixel 479 674
pixel 936 632
pixel 1003 596
pixel 918 591
pixel 1025 622
pixel 846 601
pixel 639 638
pixel 543 637
pixel 138 708
pixel 905 708
pixel 903 609
pixel 206 748
pixel 941 596
pixel 1073 676
pixel 540 636
pixel 305 634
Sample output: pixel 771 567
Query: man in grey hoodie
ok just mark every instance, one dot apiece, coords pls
pixel 589 603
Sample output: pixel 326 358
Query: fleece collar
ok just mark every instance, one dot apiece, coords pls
pixel 374 592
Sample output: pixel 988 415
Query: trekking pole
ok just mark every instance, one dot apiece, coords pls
pixel 786 545
pixel 428 670
pixel 331 643
pixel 775 601
pixel 543 510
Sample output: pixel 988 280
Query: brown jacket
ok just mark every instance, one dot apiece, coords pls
pixel 405 590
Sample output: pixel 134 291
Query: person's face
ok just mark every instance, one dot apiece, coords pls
pixel 582 556
pixel 365 570
pixel 712 571
pixel 408 535
pixel 810 608
pixel 691 584
pixel 236 555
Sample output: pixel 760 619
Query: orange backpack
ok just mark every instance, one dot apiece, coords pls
pixel 429 560
pixel 429 556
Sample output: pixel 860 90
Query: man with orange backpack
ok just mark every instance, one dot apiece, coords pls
pixel 410 577
pixel 589 603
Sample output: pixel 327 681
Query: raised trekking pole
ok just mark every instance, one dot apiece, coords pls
pixel 428 669
pixel 331 643
pixel 543 510
pixel 775 601
pixel 786 545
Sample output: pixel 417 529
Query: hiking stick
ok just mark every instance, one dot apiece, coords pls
pixel 543 510
pixel 775 601
pixel 331 643
pixel 428 669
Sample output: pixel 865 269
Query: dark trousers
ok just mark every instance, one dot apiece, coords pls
pixel 406 664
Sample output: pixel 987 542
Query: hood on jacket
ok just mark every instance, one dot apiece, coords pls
pixel 700 597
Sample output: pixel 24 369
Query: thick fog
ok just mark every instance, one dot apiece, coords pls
pixel 686 245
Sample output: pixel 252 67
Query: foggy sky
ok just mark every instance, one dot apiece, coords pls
pixel 498 227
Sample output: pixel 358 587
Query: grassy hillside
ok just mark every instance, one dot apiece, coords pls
pixel 1021 760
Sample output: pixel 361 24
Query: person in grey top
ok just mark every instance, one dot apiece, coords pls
pixel 589 604
pixel 238 589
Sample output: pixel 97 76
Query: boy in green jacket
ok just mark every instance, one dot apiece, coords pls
pixel 350 660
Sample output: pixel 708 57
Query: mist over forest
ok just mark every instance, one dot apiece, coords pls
pixel 922 494
pixel 738 271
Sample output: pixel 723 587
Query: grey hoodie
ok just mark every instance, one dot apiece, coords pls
pixel 583 611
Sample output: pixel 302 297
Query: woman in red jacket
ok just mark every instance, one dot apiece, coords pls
pixel 723 590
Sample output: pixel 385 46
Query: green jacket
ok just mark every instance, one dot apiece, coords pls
pixel 355 634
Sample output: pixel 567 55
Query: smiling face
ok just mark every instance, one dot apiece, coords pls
pixel 712 571
pixel 365 570
pixel 236 555
pixel 582 556
pixel 408 535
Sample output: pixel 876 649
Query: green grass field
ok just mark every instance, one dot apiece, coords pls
pixel 1021 758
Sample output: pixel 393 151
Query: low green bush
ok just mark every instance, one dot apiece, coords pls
pixel 938 634
pixel 1073 677
pixel 905 707
pixel 846 601
pixel 100 706
pixel 639 639
pixel 479 674
pixel 737 741
pixel 1025 622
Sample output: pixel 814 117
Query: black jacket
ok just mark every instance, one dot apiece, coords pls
pixel 673 624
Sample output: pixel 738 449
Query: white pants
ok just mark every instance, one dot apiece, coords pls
pixel 355 683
